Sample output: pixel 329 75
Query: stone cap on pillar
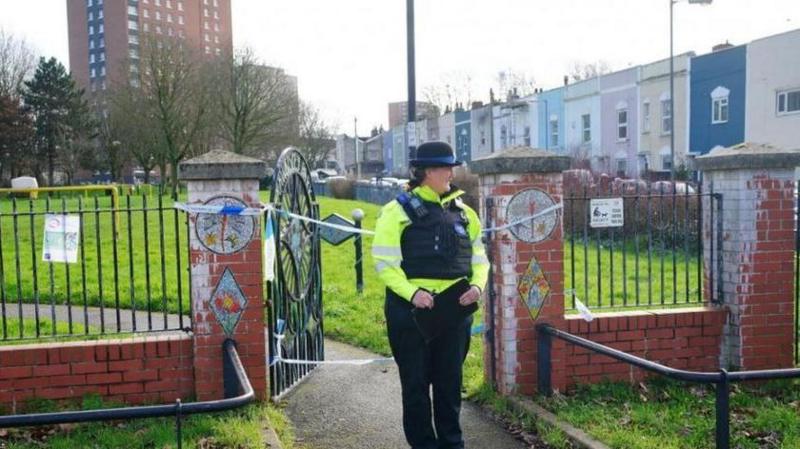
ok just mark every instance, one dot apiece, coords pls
pixel 221 164
pixel 748 155
pixel 520 160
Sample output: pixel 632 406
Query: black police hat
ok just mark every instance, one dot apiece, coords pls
pixel 435 154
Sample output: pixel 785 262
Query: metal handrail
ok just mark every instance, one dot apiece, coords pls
pixel 230 358
pixel 721 379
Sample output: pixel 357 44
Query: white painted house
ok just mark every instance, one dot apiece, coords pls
pixel 772 112
pixel 582 121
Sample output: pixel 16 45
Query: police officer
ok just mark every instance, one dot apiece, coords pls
pixel 425 241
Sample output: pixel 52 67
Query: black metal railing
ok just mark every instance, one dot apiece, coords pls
pixel 237 387
pixel 721 379
pixel 654 259
pixel 129 270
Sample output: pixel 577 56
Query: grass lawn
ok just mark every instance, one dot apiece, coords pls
pixel 149 260
pixel 45 328
pixel 240 429
pixel 665 414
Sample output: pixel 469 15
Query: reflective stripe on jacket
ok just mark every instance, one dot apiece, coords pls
pixel 387 251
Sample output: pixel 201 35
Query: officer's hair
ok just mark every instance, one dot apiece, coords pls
pixel 417 176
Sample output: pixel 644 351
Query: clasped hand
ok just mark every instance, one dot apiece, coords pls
pixel 424 300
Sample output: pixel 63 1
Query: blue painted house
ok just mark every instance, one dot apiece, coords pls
pixel 551 120
pixel 717 114
pixel 388 155
pixel 463 135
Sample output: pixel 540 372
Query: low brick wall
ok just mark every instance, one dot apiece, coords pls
pixel 134 371
pixel 679 338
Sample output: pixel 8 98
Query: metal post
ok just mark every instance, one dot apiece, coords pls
pixel 178 419
pixel 490 330
pixel 358 215
pixel 412 80
pixel 671 100
pixel 723 411
pixel 229 379
pixel 544 361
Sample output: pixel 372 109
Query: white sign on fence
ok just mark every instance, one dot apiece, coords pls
pixel 61 234
pixel 606 213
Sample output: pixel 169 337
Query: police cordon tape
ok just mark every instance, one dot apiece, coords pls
pixel 479 329
pixel 254 211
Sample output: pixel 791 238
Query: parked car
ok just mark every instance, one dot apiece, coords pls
pixel 331 178
pixel 321 174
pixel 666 187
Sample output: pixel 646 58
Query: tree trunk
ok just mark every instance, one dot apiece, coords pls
pixel 173 172
pixel 50 166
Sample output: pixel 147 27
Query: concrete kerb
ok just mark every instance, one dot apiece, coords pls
pixel 578 437
pixel 271 440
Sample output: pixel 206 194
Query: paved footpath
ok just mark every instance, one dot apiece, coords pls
pixel 358 407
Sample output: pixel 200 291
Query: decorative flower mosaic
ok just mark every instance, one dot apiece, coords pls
pixel 526 203
pixel 533 288
pixel 228 302
pixel 223 233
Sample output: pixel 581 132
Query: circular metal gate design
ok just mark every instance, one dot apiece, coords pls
pixel 296 293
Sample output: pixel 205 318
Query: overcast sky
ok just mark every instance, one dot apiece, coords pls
pixel 350 55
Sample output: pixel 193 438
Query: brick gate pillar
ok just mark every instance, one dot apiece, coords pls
pixel 226 273
pixel 527 263
pixel 756 261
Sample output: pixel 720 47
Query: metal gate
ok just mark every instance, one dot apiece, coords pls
pixel 295 296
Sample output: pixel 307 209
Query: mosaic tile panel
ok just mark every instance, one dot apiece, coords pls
pixel 533 288
pixel 228 302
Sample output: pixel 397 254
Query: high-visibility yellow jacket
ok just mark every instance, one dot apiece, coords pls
pixel 387 253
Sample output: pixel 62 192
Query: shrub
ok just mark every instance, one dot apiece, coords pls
pixel 341 188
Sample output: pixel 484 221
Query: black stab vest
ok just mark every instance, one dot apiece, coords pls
pixel 437 245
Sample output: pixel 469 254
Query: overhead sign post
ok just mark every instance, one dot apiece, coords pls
pixel 606 213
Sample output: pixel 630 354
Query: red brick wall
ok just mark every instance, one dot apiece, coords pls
pixel 681 338
pixel 134 371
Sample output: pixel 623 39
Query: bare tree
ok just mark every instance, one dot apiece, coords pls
pixel 176 96
pixel 256 106
pixel 126 131
pixel 579 70
pixel 76 138
pixel 510 81
pixel 316 137
pixel 17 62
pixel 454 89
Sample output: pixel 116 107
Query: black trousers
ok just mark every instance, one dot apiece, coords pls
pixel 437 364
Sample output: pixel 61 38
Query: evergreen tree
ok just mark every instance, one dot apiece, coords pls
pixel 57 106
pixel 16 135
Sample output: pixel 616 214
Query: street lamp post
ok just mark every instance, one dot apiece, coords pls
pixel 412 87
pixel 672 88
